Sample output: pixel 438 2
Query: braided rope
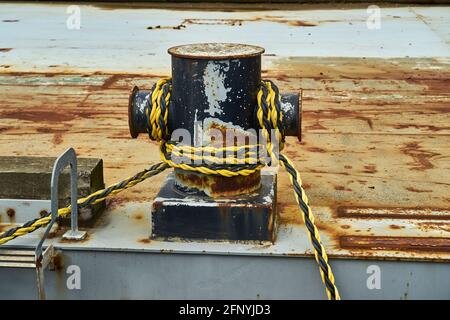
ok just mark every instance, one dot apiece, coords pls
pixel 267 114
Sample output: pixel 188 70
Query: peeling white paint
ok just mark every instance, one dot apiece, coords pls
pixel 143 104
pixel 214 82
pixel 210 126
pixel 198 130
pixel 287 108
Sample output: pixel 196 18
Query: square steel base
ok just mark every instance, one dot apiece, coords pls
pixel 251 217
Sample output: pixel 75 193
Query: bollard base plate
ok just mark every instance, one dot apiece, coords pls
pixel 252 217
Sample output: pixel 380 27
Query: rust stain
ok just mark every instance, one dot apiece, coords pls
pixel 289 213
pixel 112 80
pixel 57 139
pixel 412 189
pixel 333 114
pixel 342 188
pixel 369 121
pixel 37 115
pixel 371 168
pixel 433 85
pixel 44 130
pixel 138 216
pixel 298 23
pixel 81 103
pixel 220 186
pixel 235 22
pixel 43 213
pixel 108 83
pixel 123 134
pixel 121 75
pixel 421 158
pixel 57 232
pixel 363 68
pixel 437 226
pixel 236 185
pixel 393 213
pixel 5 49
pixel 144 241
pixel 58 261
pixel 395 227
pixel 316 149
pixel 117 202
pixel 11 213
pixel 316 126
pixel 395 243
pixel 419 126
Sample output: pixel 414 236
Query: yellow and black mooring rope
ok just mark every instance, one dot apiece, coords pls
pixel 270 118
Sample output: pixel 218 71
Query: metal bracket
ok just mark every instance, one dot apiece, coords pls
pixel 42 259
pixel 68 158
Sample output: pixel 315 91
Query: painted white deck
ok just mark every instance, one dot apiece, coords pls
pixel 118 40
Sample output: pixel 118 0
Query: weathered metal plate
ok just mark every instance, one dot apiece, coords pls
pixel 375 148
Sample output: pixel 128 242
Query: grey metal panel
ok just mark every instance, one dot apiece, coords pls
pixel 133 275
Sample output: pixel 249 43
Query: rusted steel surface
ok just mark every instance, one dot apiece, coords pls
pixel 396 243
pixel 218 187
pixel 375 151
pixel 374 155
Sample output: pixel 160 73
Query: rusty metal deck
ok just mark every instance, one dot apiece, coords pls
pixel 375 148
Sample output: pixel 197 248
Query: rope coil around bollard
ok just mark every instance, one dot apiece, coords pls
pixel 269 115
